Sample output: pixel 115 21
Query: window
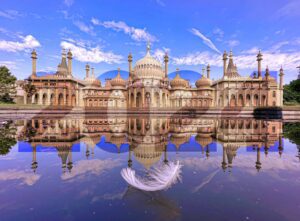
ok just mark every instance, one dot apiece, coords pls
pixel 274 93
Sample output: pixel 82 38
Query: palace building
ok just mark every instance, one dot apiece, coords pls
pixel 148 86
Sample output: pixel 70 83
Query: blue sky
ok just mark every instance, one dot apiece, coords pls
pixel 193 32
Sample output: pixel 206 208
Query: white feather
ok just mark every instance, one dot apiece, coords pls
pixel 159 178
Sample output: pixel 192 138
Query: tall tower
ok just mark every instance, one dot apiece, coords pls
pixel 87 70
pixel 281 74
pixel 93 72
pixel 166 60
pixel 208 71
pixel 130 64
pixel 225 58
pixel 259 59
pixel 267 73
pixel 69 56
pixel 33 58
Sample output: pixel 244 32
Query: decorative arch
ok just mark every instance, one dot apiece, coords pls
pixel 138 99
pixel 44 99
pixel 73 100
pixel 255 101
pixel 240 100
pixel 232 101
pixel 60 99
pixel 248 100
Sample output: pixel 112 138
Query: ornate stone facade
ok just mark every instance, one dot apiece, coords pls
pixel 148 86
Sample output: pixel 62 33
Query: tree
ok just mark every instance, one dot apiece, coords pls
pixel 291 92
pixel 7 85
pixel 30 89
pixel 8 137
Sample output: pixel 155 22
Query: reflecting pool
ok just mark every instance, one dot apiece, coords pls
pixel 69 168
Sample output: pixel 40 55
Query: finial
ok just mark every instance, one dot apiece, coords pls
pixel 119 69
pixel 230 54
pixel 148 46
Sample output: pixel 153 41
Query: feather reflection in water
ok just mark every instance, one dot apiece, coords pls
pixel 159 178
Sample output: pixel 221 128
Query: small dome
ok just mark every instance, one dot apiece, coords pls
pixel 118 81
pixel 203 82
pixel 179 82
pixel 148 155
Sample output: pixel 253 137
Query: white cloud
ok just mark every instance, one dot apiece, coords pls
pixel 85 167
pixel 245 60
pixel 26 177
pixel 205 40
pixel 136 34
pixel 233 43
pixel 85 28
pixel 68 2
pixel 28 42
pixel 12 65
pixel 160 53
pixel 219 33
pixel 84 53
pixel 10 14
pixel 291 9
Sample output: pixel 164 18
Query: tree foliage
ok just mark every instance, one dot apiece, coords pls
pixel 7 85
pixel 292 132
pixel 8 137
pixel 291 92
pixel 30 89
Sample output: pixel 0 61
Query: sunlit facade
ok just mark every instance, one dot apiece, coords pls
pixel 148 86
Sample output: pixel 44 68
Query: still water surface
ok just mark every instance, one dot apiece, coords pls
pixel 70 168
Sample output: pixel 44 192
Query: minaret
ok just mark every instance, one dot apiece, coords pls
pixel 259 59
pixel 69 56
pixel 281 74
pixel 267 73
pixel 130 64
pixel 33 58
pixel 166 60
pixel 224 164
pixel 70 161
pixel 258 163
pixel 208 71
pixel 87 70
pixel 93 72
pixel 225 58
pixel 280 146
pixel 34 163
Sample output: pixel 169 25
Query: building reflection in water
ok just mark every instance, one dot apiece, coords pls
pixel 148 140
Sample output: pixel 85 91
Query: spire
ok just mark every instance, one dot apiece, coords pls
pixel 208 71
pixel 148 48
pixel 119 70
pixel 231 71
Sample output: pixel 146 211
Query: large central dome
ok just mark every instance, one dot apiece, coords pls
pixel 148 67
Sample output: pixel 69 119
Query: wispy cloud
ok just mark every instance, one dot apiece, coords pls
pixel 137 34
pixel 84 53
pixel 85 28
pixel 245 60
pixel 291 9
pixel 161 3
pixel 69 3
pixel 12 65
pixel 10 14
pixel 24 176
pixel 233 43
pixel 219 33
pixel 27 42
pixel 160 53
pixel 205 40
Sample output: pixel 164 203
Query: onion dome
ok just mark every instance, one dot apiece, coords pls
pixel 148 67
pixel 203 82
pixel 268 77
pixel 203 140
pixel 179 82
pixel 147 154
pixel 118 81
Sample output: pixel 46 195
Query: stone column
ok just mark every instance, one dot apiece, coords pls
pixel 143 97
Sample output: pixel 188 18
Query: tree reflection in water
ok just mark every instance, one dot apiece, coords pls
pixel 8 137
